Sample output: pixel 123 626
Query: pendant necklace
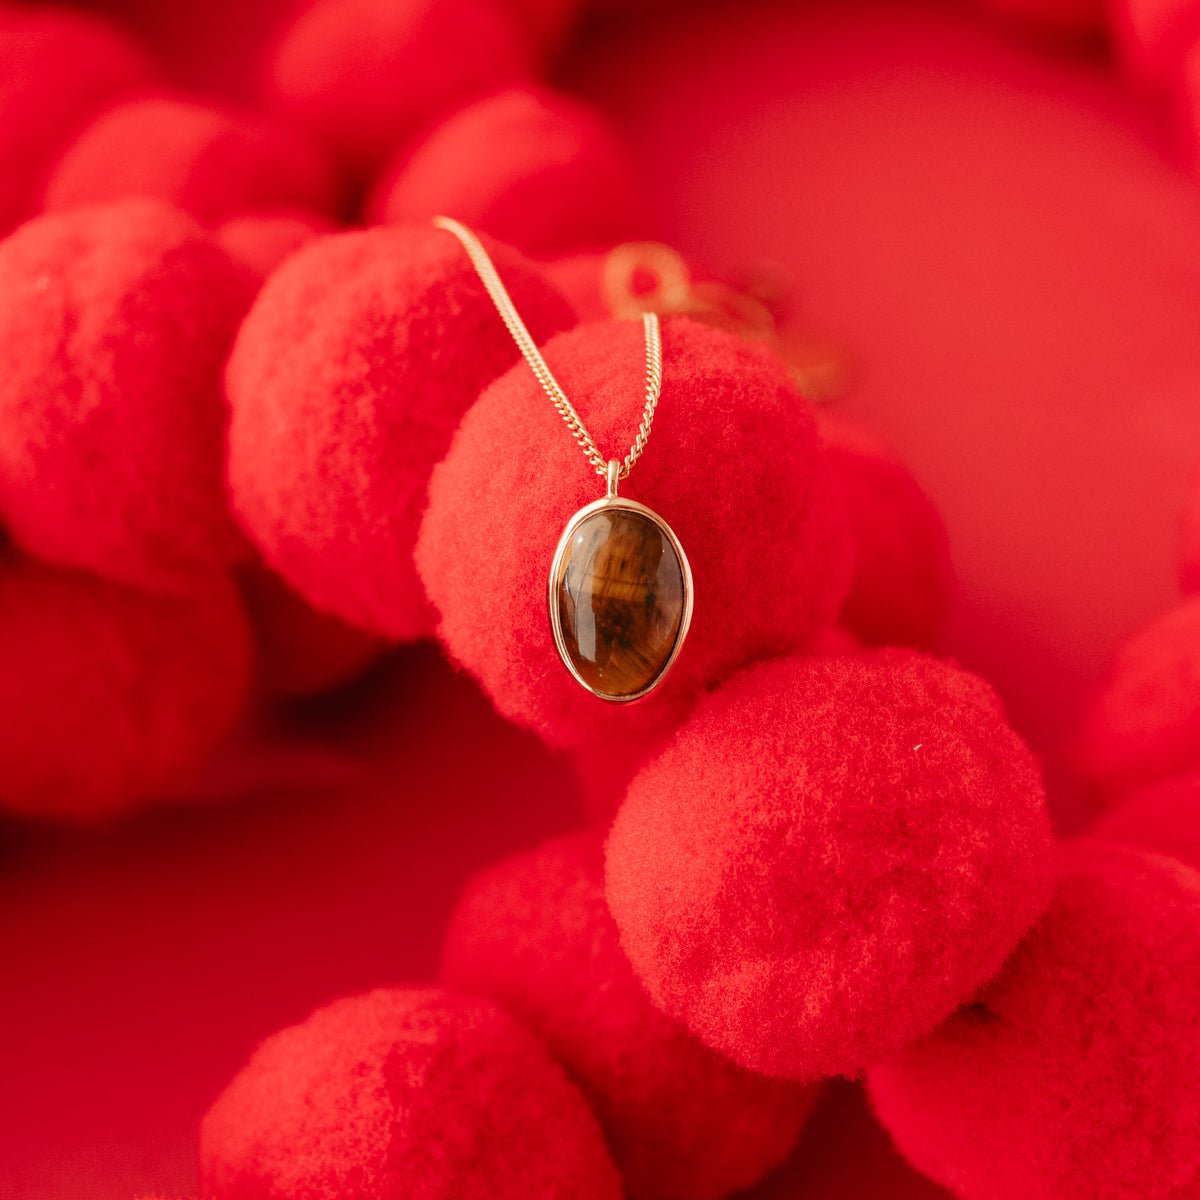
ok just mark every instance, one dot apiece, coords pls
pixel 620 588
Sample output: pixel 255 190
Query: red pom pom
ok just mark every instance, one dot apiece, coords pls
pixel 1164 819
pixel 301 651
pixel 540 171
pixel 1056 18
pixel 1074 1077
pixel 534 935
pixel 347 381
pixel 59 67
pixel 829 857
pixel 261 241
pixel 900 591
pixel 404 1093
pixel 1189 542
pixel 364 75
pixel 1144 724
pixel 732 465
pixel 1153 36
pixel 209 161
pixel 117 321
pixel 547 22
pixel 111 697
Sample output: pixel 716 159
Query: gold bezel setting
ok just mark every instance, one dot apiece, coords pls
pixel 607 502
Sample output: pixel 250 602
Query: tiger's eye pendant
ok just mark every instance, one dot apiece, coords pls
pixel 620 597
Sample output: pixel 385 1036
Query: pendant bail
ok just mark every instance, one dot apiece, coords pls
pixel 614 474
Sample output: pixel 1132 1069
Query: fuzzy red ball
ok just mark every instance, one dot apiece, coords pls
pixel 365 75
pixel 300 651
pixel 347 381
pixel 1074 1076
pixel 116 321
pixel 829 857
pixel 1153 36
pixel 902 583
pixel 404 1093
pixel 532 168
pixel 1144 723
pixel 261 241
pixel 207 160
pixel 1189 539
pixel 1164 819
pixel 111 697
pixel 534 935
pixel 59 67
pixel 732 464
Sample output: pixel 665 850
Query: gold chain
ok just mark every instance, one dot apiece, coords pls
pixel 537 364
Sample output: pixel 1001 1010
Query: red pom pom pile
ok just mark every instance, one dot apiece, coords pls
pixel 540 171
pixel 261 241
pixel 111 697
pixel 1144 724
pixel 364 75
pixel 1074 1076
pixel 209 161
pixel 404 1093
pixel 831 855
pixel 770 561
pixel 115 323
pixel 347 381
pixel 1189 541
pixel 534 935
pixel 59 68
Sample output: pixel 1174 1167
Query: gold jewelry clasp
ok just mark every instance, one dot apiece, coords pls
pixel 614 474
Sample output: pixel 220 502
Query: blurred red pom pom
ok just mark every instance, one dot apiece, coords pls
pixel 1164 819
pixel 547 23
pixel 900 591
pixel 261 241
pixel 59 66
pixel 347 381
pixel 1144 724
pixel 540 171
pixel 1153 36
pixel 365 75
pixel 116 322
pixel 111 698
pixel 534 935
pixel 1058 19
pixel 301 651
pixel 1189 541
pixel 732 465
pixel 1074 1076
pixel 404 1093
pixel 207 160
pixel 829 857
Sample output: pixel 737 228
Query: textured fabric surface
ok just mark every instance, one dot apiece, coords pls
pixel 1074 1076
pixel 534 934
pixel 829 857
pixel 209 161
pixel 116 321
pixel 732 465
pixel 1143 725
pixel 347 381
pixel 110 697
pixel 538 170
pixel 364 75
pixel 403 1095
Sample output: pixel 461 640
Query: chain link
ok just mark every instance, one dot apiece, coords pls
pixel 490 277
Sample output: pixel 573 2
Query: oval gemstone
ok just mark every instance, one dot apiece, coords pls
pixel 620 595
